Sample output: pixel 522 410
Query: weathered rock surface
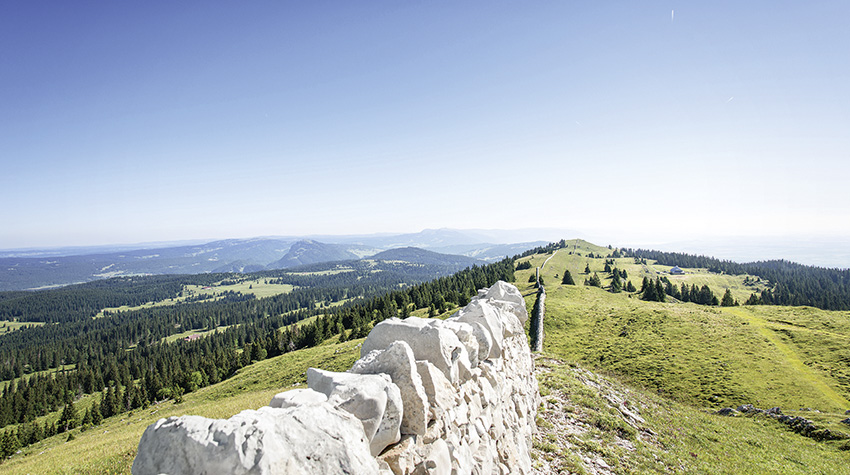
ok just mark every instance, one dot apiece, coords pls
pixel 428 339
pixel 372 398
pixel 265 441
pixel 397 362
pixel 427 396
pixel 297 397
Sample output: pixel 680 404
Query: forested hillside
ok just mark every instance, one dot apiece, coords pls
pixel 130 359
pixel 791 283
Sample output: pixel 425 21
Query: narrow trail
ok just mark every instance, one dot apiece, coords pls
pixel 547 259
pixel 791 357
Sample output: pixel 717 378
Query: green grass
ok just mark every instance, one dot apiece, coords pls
pixel 687 360
pixel 111 446
pixel 680 439
pixel 8 326
pixel 258 287
pixel 199 331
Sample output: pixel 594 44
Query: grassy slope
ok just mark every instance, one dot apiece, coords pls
pixel 579 425
pixel 688 358
pixel 110 447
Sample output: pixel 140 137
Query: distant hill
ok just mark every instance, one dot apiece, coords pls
pixel 421 256
pixel 489 252
pixel 243 255
pixel 27 269
pixel 311 252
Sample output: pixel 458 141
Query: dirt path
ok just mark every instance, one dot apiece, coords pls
pixel 791 356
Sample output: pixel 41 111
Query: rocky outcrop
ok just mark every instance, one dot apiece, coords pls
pixel 798 424
pixel 427 396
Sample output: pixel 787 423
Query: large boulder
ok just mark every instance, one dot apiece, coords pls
pixel 398 362
pixel 508 297
pixel 466 334
pixel 372 398
pixel 429 340
pixel 488 316
pixel 298 440
pixel 297 397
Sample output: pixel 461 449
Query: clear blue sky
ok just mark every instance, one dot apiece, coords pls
pixel 183 120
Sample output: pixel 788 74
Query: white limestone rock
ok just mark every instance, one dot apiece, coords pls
pixel 297 397
pixel 429 341
pixel 481 312
pixel 372 398
pixel 508 297
pixel 466 334
pixel 441 395
pixel 438 461
pixel 298 440
pixel 398 362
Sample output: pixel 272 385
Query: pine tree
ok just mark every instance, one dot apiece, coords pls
pixel 587 268
pixel 616 283
pixel 68 420
pixel 659 291
pixel 96 416
pixel 630 287
pixel 568 278
pixel 649 291
pixel 727 300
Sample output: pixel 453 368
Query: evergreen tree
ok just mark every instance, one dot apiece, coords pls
pixel 68 419
pixel 727 300
pixel 587 268
pixel 630 287
pixel 659 291
pixel 96 416
pixel 616 283
pixel 594 281
pixel 648 291
pixel 568 278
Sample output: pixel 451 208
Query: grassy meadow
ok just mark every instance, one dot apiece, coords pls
pixel 690 360
pixel 111 446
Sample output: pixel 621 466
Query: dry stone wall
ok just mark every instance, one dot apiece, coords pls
pixel 427 396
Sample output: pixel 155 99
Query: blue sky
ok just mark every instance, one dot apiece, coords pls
pixel 186 120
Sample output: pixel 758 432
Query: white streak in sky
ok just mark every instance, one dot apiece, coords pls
pixel 672 15
pixel 730 99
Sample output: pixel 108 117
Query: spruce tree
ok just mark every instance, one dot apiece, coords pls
pixel 568 278
pixel 587 268
pixel 616 283
pixel 727 300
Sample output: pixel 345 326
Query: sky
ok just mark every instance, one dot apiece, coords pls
pixel 660 120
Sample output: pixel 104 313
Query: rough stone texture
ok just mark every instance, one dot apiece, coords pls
pixel 438 388
pixel 372 398
pixel 488 316
pixel 265 441
pixel 397 361
pixel 462 391
pixel 297 397
pixel 428 339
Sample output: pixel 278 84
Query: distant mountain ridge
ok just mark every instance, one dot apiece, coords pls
pixel 27 269
pixel 308 251
pixel 421 256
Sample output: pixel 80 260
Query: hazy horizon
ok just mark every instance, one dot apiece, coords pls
pixel 167 122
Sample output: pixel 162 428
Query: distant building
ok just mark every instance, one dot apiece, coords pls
pixel 676 271
pixel 192 337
